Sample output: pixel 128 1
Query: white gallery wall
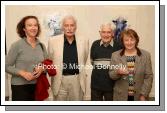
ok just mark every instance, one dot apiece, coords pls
pixel 89 18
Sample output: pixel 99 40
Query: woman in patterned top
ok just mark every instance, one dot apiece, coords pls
pixel 134 82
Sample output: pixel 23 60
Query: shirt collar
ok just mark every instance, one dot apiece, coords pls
pixel 66 41
pixel 111 43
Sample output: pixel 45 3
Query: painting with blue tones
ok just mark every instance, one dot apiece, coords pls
pixel 120 24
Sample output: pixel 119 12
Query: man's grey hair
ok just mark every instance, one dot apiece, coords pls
pixel 68 17
pixel 107 25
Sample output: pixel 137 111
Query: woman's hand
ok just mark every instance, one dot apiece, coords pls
pixel 27 75
pixel 142 98
pixel 122 71
pixel 38 71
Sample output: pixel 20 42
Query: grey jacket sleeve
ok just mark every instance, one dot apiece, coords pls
pixel 11 60
pixel 148 77
pixel 113 72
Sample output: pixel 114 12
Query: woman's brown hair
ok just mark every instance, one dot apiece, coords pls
pixel 21 26
pixel 132 33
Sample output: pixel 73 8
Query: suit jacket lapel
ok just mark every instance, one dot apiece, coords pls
pixel 123 60
pixel 137 63
pixel 60 49
pixel 79 50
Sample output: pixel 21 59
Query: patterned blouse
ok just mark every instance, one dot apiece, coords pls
pixel 130 65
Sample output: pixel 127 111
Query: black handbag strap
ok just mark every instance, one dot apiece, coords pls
pixel 41 46
pixel 42 49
